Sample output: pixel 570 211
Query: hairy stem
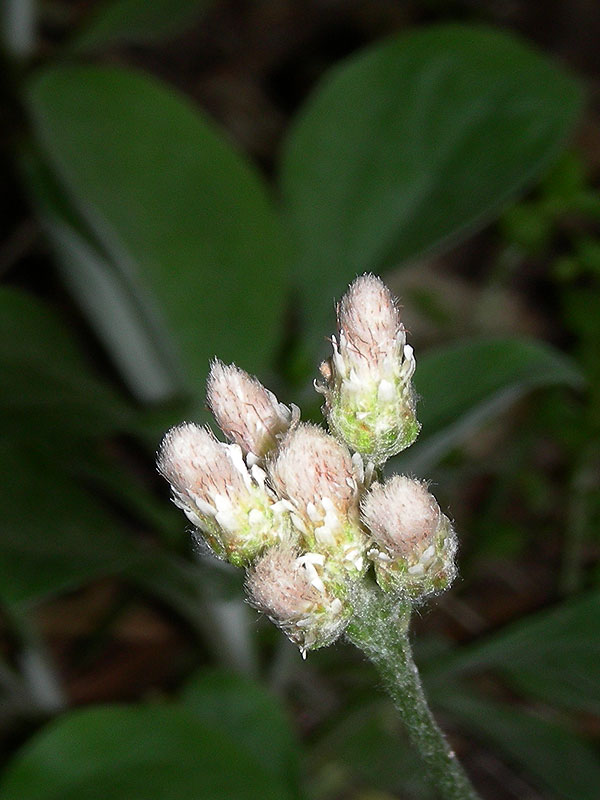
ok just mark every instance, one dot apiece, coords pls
pixel 380 629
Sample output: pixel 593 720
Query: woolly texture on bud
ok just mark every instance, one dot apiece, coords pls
pixel 293 591
pixel 315 474
pixel 369 398
pixel 415 545
pixel 230 504
pixel 247 413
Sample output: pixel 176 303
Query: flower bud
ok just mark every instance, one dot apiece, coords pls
pixel 293 591
pixel 414 544
pixel 316 475
pixel 247 413
pixel 369 398
pixel 230 504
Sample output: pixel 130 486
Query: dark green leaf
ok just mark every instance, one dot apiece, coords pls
pixel 47 390
pixel 118 21
pixel 54 535
pixel 554 756
pixel 553 655
pixel 55 532
pixel 249 715
pixel 136 754
pixel 174 206
pixel 465 384
pixel 412 143
pixel 367 745
pixel 103 293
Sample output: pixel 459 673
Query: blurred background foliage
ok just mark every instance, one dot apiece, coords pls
pixel 185 178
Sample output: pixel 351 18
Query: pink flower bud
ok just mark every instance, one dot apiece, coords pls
pixel 229 503
pixel 294 593
pixel 369 326
pixel 315 474
pixel 369 399
pixel 414 544
pixel 247 413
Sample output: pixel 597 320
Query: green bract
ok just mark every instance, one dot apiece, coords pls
pixel 375 429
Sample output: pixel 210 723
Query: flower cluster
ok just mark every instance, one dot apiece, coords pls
pixel 299 507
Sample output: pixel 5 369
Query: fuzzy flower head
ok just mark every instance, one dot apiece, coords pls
pixel 247 413
pixel 293 591
pixel 230 504
pixel 369 398
pixel 414 544
pixel 316 476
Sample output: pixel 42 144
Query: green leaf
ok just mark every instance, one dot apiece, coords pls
pixel 47 392
pixel 127 753
pixel 251 716
pixel 103 293
pixel 367 746
pixel 413 143
pixel 463 385
pixel 119 21
pixel 55 532
pixel 550 753
pixel 173 205
pixel 54 535
pixel 553 656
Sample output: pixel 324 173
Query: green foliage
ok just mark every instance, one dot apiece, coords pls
pixel 464 384
pixel 54 534
pixel 527 739
pixel 253 717
pixel 553 656
pixel 226 738
pixel 47 393
pixel 183 217
pixel 53 407
pixel 366 745
pixel 411 144
pixel 109 301
pixel 124 21
pixel 137 752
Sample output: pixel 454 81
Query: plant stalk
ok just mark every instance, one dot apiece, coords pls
pixel 380 629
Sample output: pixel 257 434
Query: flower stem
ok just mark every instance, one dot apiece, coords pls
pixel 380 629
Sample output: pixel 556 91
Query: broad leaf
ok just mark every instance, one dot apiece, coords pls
pixel 136 753
pixel 412 143
pixel 173 205
pixel 463 385
pixel 54 535
pixel 48 392
pixel 368 744
pixel 554 756
pixel 251 716
pixel 553 655
pixel 122 21
pixel 104 294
